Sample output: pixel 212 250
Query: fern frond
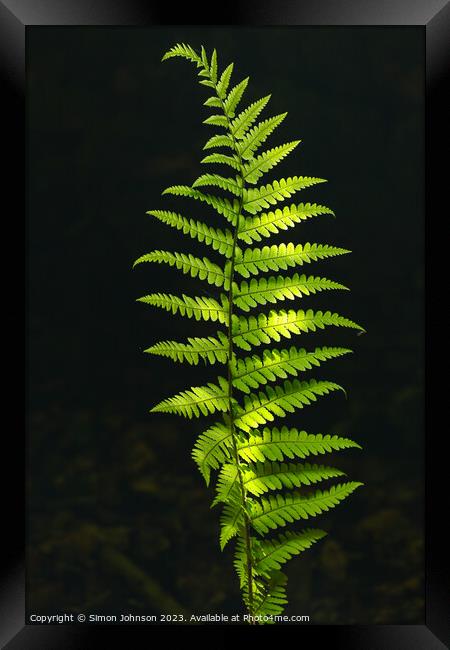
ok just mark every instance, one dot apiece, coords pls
pixel 252 461
pixel 256 330
pixel 219 141
pixel 231 520
pixel 197 401
pixel 257 135
pixel 203 268
pixel 184 51
pixel 227 481
pixel 222 206
pixel 271 223
pixel 256 167
pixel 213 67
pixel 240 560
pixel 272 289
pixel 221 241
pixel 213 102
pixel 257 198
pixel 234 97
pixel 222 159
pixel 224 81
pixel 206 82
pixel 280 509
pixel 278 444
pixel 228 184
pixel 275 476
pixel 198 307
pixel 212 449
pixel 217 120
pixel 272 600
pixel 251 372
pixel 273 553
pixel 279 401
pixel 205 62
pixel 245 119
pixel 252 261
pixel 209 349
pixel 263 477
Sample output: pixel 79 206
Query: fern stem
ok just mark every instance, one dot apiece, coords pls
pixel 232 427
pixel 247 533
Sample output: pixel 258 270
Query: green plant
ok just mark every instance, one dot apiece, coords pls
pixel 252 461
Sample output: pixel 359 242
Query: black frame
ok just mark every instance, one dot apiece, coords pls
pixel 15 17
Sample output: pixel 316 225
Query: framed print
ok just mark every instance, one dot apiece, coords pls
pixel 166 277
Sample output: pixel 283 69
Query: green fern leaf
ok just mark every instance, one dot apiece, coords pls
pixel 213 102
pixel 197 401
pixel 279 444
pixel 280 400
pixel 252 261
pixel 240 561
pixel 224 82
pixel 221 241
pixel 256 167
pixel 257 135
pixel 222 159
pixel 255 199
pixel 212 449
pixel 263 477
pixel 209 349
pixel 227 483
pixel 276 552
pixel 222 206
pixel 251 372
pixel 205 61
pixel 256 330
pixel 234 97
pixel 185 51
pixel 219 141
pixel 231 520
pixel 228 184
pixel 280 509
pixel 213 67
pixel 203 268
pixel 271 223
pixel 245 119
pixel 217 120
pixel 275 476
pixel 198 307
pixel 271 601
pixel 270 290
pixel 252 462
pixel 207 82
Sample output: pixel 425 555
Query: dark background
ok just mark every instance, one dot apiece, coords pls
pixel 118 516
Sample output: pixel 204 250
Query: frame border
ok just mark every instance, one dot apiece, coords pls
pixel 15 17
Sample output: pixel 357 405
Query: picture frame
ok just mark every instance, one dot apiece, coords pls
pixel 16 18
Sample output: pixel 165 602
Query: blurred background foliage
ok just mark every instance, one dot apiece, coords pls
pixel 118 516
